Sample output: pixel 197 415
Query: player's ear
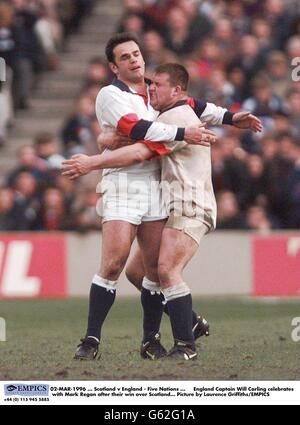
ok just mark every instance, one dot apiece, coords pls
pixel 113 67
pixel 177 90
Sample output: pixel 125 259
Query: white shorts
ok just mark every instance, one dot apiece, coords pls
pixel 134 198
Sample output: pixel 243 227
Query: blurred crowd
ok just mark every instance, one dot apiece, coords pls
pixel 35 196
pixel 32 33
pixel 239 54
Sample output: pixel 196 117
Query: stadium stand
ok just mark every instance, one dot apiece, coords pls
pixel 240 54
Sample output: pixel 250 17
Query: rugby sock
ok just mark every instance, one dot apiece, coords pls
pixel 194 314
pixel 152 308
pixel 102 297
pixel 179 302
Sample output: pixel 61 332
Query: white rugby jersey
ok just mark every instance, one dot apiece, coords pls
pixel 186 169
pixel 121 108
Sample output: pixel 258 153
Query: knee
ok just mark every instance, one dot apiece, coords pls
pixel 166 273
pixel 134 277
pixel 113 268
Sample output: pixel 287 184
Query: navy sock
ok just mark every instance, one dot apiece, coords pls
pixel 180 312
pixel 101 301
pixel 194 314
pixel 153 310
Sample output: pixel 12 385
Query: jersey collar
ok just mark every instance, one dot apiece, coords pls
pixel 179 103
pixel 124 87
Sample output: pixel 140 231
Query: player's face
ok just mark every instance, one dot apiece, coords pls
pixel 129 63
pixel 162 93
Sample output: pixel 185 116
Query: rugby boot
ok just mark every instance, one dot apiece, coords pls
pixel 201 328
pixel 87 349
pixel 152 349
pixel 182 351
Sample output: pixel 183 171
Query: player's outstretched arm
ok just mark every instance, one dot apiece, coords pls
pixel 116 111
pixel 216 115
pixel 246 120
pixel 80 165
pixel 195 135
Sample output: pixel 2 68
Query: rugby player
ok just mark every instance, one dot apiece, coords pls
pixel 125 106
pixel 192 209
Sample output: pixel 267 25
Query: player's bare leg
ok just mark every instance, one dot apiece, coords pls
pixel 135 273
pixel 117 238
pixel 135 269
pixel 177 249
pixel 149 237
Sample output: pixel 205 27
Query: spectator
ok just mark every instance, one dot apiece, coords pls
pixel 28 161
pixel 277 171
pixel 53 214
pixel 280 21
pixel 46 146
pixel 292 192
pixel 10 51
pixel 68 188
pixel 293 108
pixel 258 219
pixel 86 215
pixel 225 37
pixel 210 56
pixel 133 23
pixel 77 131
pixel 248 56
pixel 263 103
pixel 228 211
pixel 277 71
pixel 27 197
pixel 154 51
pixel 178 37
pixel 235 10
pixel 155 12
pixel 293 47
pixel 269 148
pixel 96 74
pixel 49 34
pixel 12 216
pixel 255 185
pixel 218 90
pixel 262 31
pixel 31 56
pixel 196 83
pixel 237 78
pixel 199 25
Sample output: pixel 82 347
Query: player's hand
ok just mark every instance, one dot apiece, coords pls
pixel 111 139
pixel 77 166
pixel 246 120
pixel 199 135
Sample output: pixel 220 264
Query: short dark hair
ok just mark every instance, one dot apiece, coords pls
pixel 117 39
pixel 43 138
pixel 97 60
pixel 177 73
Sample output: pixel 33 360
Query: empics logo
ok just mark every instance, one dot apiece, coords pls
pixel 26 389
pixel 11 388
pixel 2 330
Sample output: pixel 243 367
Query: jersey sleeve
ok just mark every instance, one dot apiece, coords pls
pixel 114 109
pixel 211 113
pixel 162 149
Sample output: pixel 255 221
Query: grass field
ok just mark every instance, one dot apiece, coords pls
pixel 250 340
